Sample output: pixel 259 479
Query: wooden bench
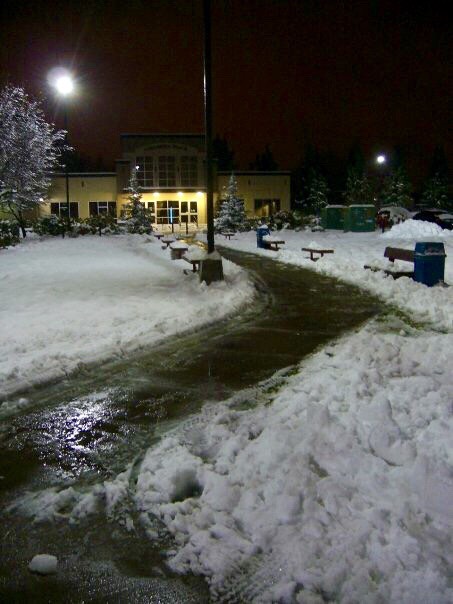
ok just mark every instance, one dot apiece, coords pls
pixel 397 253
pixel 272 243
pixel 195 264
pixel 319 252
pixel 228 234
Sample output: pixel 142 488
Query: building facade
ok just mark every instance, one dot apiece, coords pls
pixel 171 172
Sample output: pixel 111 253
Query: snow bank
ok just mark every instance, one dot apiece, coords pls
pixel 68 303
pixel 413 229
pixel 341 487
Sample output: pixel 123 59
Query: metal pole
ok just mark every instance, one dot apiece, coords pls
pixel 66 166
pixel 208 124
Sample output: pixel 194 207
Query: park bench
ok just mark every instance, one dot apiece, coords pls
pixel 228 234
pixel 320 252
pixel 395 253
pixel 272 243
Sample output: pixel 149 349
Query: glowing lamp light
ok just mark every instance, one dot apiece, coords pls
pixel 179 193
pixel 64 85
pixel 137 167
pixel 381 159
pixel 199 193
pixel 156 194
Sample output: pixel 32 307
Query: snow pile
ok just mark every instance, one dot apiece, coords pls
pixel 416 229
pixel 43 564
pixel 341 487
pixel 68 303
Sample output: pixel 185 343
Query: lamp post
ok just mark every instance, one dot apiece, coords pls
pixel 381 160
pixel 64 86
pixel 210 268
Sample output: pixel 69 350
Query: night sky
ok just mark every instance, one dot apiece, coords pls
pixel 286 73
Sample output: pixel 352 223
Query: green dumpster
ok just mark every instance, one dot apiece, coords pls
pixel 332 217
pixel 360 218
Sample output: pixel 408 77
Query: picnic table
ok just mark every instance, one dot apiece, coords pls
pixel 272 243
pixel 195 262
pixel 178 249
pixel 158 235
pixel 228 234
pixel 167 241
pixel 320 252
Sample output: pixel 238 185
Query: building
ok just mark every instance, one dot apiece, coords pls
pixel 171 172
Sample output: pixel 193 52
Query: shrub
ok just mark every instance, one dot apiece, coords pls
pixel 9 233
pixel 50 225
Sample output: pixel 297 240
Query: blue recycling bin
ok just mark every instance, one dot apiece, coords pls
pixel 261 232
pixel 429 262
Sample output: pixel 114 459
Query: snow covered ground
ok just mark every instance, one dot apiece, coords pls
pixel 68 303
pixel 334 483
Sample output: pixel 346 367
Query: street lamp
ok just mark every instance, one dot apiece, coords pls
pixel 381 159
pixel 64 85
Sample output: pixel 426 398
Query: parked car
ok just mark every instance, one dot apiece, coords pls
pixel 441 217
pixel 393 214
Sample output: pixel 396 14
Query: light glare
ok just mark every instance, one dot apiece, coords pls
pixel 381 159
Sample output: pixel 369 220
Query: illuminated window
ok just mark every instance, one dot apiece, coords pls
pixel 152 208
pixel 266 207
pixel 61 209
pixel 102 207
pixel 189 171
pixel 144 167
pixel 167 171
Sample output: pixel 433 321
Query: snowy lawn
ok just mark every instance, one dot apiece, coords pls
pixel 334 483
pixel 72 302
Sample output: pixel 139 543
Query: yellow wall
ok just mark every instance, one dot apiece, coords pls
pixel 82 189
pixel 253 186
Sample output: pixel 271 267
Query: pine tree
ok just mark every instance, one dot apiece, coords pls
pixel 435 193
pixel 231 215
pixel 318 192
pixel 138 217
pixel 29 151
pixel 396 190
pixel 358 188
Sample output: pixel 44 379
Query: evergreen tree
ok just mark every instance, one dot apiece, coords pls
pixel 138 217
pixel 396 189
pixel 318 192
pixel 29 151
pixel 358 188
pixel 264 161
pixel 222 153
pixel 439 164
pixel 435 193
pixel 231 215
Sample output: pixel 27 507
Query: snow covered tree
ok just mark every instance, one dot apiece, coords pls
pixel 358 188
pixel 396 190
pixel 435 193
pixel 318 192
pixel 231 215
pixel 29 151
pixel 138 217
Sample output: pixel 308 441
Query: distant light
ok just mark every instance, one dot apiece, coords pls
pixel 156 194
pixel 199 193
pixel 41 199
pixel 180 193
pixel 137 167
pixel 381 159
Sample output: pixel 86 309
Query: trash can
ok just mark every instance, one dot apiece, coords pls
pixel 261 232
pixel 429 262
